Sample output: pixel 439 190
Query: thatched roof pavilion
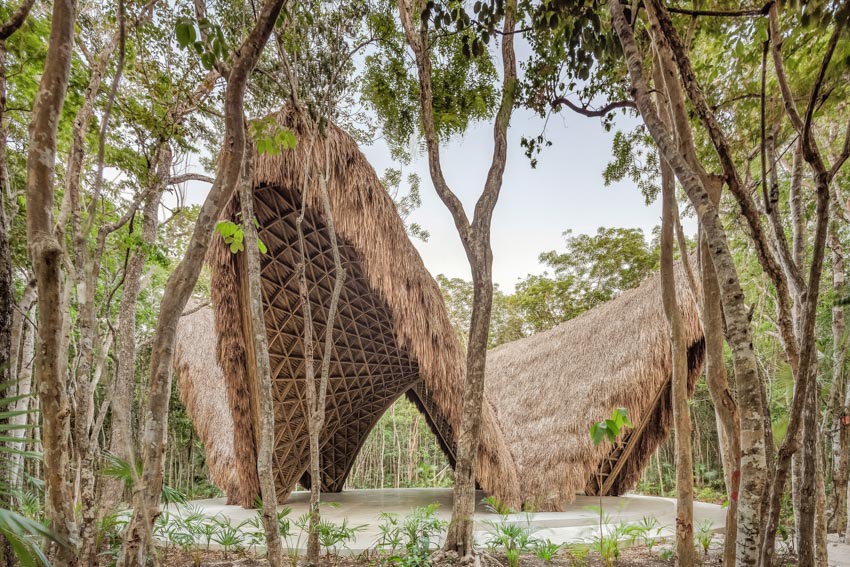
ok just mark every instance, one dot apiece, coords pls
pixel 392 336
pixel 552 386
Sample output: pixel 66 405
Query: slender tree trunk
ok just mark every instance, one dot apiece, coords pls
pixel 679 355
pixel 841 455
pixel 9 340
pixel 725 406
pixel 821 546
pixel 460 534
pixel 806 377
pixel 46 256
pixel 476 241
pixel 24 379
pixel 264 391
pixel 121 442
pixel 808 486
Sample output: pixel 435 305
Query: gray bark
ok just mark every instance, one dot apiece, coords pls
pixel 264 400
pixel 475 237
pixel 46 255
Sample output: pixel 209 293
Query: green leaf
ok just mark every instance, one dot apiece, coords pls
pixel 226 228
pixel 184 32
pixel 262 246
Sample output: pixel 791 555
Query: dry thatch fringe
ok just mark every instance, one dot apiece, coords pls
pixel 366 218
pixel 203 391
pixel 552 386
pixel 231 356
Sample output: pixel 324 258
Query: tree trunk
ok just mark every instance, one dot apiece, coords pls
pixel 841 454
pixel 679 388
pixel 9 341
pixel 46 256
pixel 476 242
pixel 725 406
pixel 460 535
pixel 179 287
pixel 264 392
pixel 24 379
pixel 805 378
pixel 821 546
pixel 808 489
pixel 121 442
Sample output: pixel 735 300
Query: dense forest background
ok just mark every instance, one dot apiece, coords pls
pixel 148 105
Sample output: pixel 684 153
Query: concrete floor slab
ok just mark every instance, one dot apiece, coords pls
pixel 577 523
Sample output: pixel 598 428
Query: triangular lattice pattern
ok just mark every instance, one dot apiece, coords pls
pixel 368 369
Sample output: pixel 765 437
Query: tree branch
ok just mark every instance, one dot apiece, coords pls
pixel 418 41
pixel 669 36
pixel 11 25
pixel 723 13
pixel 589 112
pixel 183 178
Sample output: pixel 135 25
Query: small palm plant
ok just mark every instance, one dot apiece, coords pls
pixel 409 541
pixel 514 537
pixel 705 535
pixel 608 429
pixel 25 534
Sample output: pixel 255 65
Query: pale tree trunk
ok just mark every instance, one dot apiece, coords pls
pixel 821 550
pixel 799 346
pixel 678 347
pixel 159 174
pixel 475 237
pixel 679 389
pixel 807 490
pixel 24 384
pixel 87 270
pixel 46 256
pixel 317 392
pixel 121 442
pixel 841 452
pixel 85 281
pixel 725 406
pixel 264 393
pixel 146 494
pixel 739 335
pixel 797 495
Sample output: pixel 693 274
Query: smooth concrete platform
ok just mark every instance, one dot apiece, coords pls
pixel 577 523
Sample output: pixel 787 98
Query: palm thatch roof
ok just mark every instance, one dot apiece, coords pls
pixel 552 386
pixel 203 391
pixel 392 336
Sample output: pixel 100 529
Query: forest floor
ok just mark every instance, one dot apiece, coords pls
pixel 629 557
pixel 577 522
pixel 839 556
